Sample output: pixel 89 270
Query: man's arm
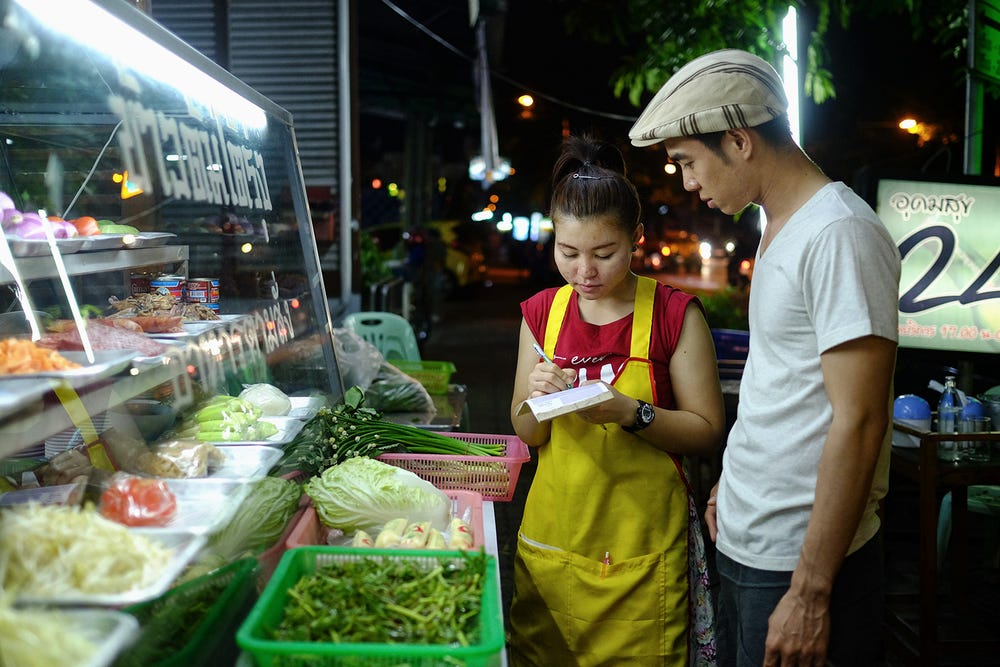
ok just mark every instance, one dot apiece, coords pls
pixel 858 379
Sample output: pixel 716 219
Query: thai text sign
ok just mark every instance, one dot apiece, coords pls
pixel 948 235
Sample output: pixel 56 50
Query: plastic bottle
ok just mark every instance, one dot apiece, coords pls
pixel 949 407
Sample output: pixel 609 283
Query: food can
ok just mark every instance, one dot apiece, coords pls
pixel 174 285
pixel 138 283
pixel 203 290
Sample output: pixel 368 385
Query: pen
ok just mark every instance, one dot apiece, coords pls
pixel 545 357
pixel 604 563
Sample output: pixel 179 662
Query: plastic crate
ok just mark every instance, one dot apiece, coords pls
pixel 493 477
pixel 310 531
pixel 254 635
pixel 433 375
pixel 211 643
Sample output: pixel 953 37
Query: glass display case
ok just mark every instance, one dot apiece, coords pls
pixel 192 228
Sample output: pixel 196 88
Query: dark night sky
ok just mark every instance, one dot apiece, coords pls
pixel 880 74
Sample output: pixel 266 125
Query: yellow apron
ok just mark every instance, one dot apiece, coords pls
pixel 599 492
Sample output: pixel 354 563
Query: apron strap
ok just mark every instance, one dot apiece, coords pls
pixel 642 317
pixel 557 312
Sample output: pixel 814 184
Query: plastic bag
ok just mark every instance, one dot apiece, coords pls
pixel 395 391
pixel 360 361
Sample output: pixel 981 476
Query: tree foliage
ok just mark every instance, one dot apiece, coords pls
pixel 659 37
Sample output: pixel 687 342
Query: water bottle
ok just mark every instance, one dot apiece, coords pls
pixel 949 407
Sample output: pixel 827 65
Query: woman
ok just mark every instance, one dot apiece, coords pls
pixel 601 573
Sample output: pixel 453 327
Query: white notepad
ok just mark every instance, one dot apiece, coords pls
pixel 564 402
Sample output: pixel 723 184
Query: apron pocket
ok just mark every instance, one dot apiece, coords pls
pixel 572 610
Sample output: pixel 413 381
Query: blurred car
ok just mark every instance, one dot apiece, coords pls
pixel 670 250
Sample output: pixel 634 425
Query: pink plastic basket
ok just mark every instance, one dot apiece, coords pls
pixel 309 531
pixel 494 477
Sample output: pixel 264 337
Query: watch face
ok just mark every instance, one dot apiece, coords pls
pixel 645 414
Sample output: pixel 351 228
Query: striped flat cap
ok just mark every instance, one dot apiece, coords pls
pixel 718 91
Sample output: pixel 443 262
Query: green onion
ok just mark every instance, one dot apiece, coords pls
pixel 350 429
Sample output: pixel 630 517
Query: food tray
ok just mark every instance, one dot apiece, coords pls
pixel 245 461
pixel 211 639
pixel 433 375
pixel 196 328
pixel 106 363
pixel 305 407
pixel 40 247
pixel 494 477
pixel 108 630
pixel 183 547
pixel 310 531
pixel 254 634
pixel 288 428
pixel 203 505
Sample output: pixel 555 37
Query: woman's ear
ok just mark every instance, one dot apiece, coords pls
pixel 637 234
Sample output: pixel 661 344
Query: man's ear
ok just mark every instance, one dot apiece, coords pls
pixel 741 141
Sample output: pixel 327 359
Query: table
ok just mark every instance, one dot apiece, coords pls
pixel 933 476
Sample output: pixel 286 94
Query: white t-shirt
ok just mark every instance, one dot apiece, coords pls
pixel 829 276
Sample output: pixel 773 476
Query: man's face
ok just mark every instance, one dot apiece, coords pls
pixel 716 178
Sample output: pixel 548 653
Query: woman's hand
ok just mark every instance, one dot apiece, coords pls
pixel 619 410
pixel 548 378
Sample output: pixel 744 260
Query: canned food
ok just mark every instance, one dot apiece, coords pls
pixel 203 290
pixel 139 283
pixel 168 284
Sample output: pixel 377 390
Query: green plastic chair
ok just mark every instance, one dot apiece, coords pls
pixel 391 334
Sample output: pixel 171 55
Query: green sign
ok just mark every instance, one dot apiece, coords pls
pixel 986 58
pixel 949 288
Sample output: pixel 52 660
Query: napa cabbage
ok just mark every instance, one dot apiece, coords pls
pixel 364 494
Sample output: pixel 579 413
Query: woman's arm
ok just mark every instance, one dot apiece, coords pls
pixel 534 378
pixel 698 423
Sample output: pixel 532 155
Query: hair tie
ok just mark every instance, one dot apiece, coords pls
pixel 592 178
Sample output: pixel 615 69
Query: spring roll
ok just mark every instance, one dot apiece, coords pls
pixel 391 534
pixel 362 539
pixel 435 540
pixel 459 534
pixel 415 536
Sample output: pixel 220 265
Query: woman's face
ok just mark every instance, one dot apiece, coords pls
pixel 593 254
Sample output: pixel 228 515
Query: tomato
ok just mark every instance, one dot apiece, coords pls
pixel 138 501
pixel 86 225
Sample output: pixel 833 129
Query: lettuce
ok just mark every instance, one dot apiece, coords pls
pixel 363 494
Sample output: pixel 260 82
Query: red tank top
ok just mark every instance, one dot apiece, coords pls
pixel 598 352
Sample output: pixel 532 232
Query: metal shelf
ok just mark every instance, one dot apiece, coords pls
pixel 44 417
pixel 102 261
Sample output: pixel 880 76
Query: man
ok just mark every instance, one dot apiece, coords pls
pixel 806 463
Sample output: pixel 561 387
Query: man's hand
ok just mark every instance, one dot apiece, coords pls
pixel 711 513
pixel 798 632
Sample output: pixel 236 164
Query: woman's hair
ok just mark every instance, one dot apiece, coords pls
pixel 589 179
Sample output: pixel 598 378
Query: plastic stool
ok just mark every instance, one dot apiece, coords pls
pixel 391 334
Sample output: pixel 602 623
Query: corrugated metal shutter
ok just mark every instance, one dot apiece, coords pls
pixel 285 50
pixel 194 21
pixel 288 51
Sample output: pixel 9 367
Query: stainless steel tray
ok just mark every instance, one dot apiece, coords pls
pixel 245 462
pixel 106 363
pixel 203 505
pixel 194 329
pixel 183 547
pixel 40 247
pixel 288 428
pixel 305 407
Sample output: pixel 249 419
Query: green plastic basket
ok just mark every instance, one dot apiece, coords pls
pixel 433 375
pixel 211 643
pixel 254 636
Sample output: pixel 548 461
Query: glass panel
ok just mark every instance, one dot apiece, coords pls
pixel 104 115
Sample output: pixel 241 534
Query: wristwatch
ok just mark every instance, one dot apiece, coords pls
pixel 644 415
